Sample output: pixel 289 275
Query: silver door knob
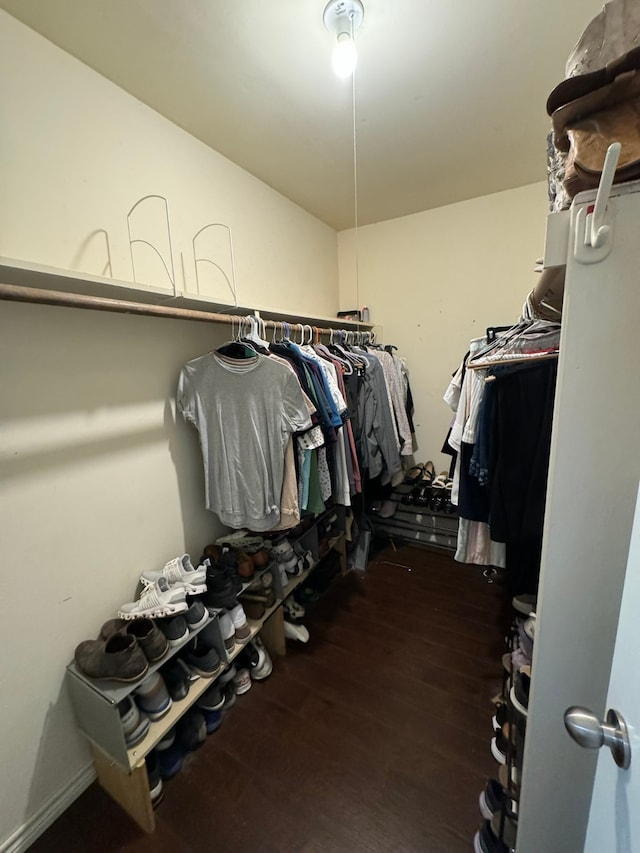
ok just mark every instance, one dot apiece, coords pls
pixel 587 730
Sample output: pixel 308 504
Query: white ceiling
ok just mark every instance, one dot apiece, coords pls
pixel 450 94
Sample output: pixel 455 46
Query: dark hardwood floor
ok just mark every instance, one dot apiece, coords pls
pixel 374 737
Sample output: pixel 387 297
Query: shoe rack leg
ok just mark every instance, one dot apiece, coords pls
pixel 272 634
pixel 129 790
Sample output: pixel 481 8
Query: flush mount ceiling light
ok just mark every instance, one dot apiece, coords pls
pixel 343 17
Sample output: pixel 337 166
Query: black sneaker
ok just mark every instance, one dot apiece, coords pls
pixel 230 697
pixel 176 677
pixel 175 629
pixel 196 616
pixel 485 841
pixel 191 731
pixel 222 588
pixel 492 799
pixel 156 788
pixel 202 659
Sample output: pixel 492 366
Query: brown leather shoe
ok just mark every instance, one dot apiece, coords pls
pixel 152 641
pixel 119 659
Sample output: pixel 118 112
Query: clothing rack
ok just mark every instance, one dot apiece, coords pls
pixel 18 293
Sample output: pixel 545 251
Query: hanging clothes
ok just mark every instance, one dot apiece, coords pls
pixel 245 410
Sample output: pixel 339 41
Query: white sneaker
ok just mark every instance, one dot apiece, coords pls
pixel 240 624
pixel 296 632
pixel 158 601
pixel 179 572
pixel 242 682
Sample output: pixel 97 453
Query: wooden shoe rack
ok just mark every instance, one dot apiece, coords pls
pixel 121 771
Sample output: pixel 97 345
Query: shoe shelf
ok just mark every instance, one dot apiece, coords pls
pixel 121 770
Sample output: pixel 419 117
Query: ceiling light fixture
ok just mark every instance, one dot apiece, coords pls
pixel 343 17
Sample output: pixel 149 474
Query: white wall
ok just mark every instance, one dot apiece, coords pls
pixel 98 479
pixel 436 279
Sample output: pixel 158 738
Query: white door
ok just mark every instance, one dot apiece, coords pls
pixel 594 472
pixel 614 819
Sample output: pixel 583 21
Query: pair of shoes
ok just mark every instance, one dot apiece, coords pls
pixel 225 682
pixel 150 638
pixel 119 658
pixel 287 559
pixel 156 601
pixel 169 755
pixel 242 681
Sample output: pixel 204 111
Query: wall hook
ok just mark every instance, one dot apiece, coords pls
pixel 597 230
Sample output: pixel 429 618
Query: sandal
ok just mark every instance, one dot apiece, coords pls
pixel 414 475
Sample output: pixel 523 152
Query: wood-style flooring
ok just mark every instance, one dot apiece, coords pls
pixel 374 737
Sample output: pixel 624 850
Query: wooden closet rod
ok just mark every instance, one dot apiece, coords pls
pixel 17 293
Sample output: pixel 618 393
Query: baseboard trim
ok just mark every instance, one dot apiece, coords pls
pixel 25 835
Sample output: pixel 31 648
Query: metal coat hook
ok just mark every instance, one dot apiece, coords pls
pixel 597 230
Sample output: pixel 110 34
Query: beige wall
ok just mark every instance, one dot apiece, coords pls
pixel 78 152
pixel 98 478
pixel 434 280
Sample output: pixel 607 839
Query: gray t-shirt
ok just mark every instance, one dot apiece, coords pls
pixel 245 410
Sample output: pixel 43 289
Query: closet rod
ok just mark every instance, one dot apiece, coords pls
pixel 17 293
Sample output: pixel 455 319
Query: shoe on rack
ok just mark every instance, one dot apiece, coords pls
pixel 296 632
pixel 229 696
pixel 202 659
pixel 292 610
pixel 227 630
pixel 119 659
pixel 156 788
pixel 159 600
pixel 499 748
pixel 242 682
pixel 505 827
pixel 191 731
pixel 519 693
pixel 222 589
pixel 263 667
pixel 486 841
pixel 196 616
pixel 530 627
pixel 525 604
pixel 240 624
pixel 135 725
pixel 170 756
pixel 152 697
pixel 227 675
pixel 176 676
pixel 212 699
pixel 492 799
pixel 174 628
pixel 213 720
pixel 179 572
pixel 500 717
pixel 285 556
pixel 150 638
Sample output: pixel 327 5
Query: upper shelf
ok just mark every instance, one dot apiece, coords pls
pixel 23 274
